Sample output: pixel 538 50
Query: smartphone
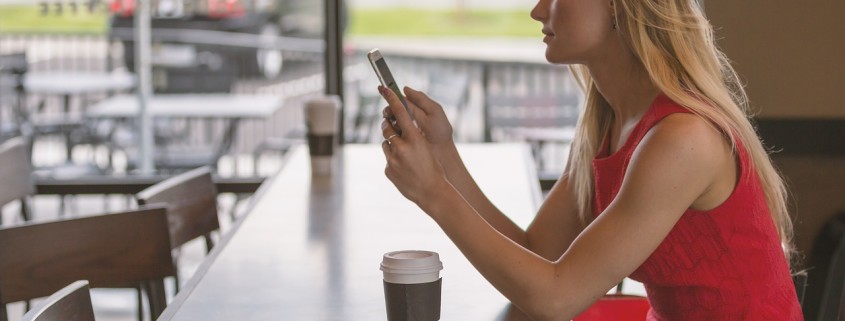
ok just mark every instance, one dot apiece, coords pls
pixel 386 78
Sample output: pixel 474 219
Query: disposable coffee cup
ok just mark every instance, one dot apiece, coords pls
pixel 412 285
pixel 321 124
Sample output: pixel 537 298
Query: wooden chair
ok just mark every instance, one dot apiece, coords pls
pixel 15 177
pixel 124 250
pixel 72 303
pixel 191 201
pixel 825 290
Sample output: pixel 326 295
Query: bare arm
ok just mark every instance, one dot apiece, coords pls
pixel 556 224
pixel 552 230
pixel 612 247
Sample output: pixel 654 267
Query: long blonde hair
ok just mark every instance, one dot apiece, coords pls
pixel 675 43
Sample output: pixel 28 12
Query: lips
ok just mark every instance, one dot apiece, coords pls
pixel 548 32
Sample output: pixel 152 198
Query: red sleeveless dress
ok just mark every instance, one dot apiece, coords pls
pixel 722 264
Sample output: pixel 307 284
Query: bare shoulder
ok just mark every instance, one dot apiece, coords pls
pixel 688 136
pixel 682 155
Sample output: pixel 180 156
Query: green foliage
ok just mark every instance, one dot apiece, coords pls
pixel 364 22
pixel 29 19
pixel 427 22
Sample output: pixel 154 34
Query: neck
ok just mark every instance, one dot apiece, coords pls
pixel 623 81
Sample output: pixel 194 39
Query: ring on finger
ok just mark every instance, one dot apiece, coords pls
pixel 390 137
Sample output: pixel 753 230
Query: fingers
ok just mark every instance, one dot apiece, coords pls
pixel 385 148
pixel 421 100
pixel 386 113
pixel 403 119
pixel 392 138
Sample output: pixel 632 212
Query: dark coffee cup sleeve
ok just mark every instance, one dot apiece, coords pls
pixel 321 145
pixel 413 302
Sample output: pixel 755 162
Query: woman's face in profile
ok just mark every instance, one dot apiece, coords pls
pixel 575 30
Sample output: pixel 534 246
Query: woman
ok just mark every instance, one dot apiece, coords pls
pixel 667 181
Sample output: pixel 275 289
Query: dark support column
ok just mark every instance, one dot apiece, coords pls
pixel 485 93
pixel 333 55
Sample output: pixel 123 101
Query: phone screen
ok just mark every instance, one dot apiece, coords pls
pixel 386 78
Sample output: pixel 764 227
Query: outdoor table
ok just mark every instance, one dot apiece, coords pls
pixel 228 107
pixel 73 83
pixel 309 248
pixel 67 84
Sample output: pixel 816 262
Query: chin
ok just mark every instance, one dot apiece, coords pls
pixel 560 56
pixel 556 58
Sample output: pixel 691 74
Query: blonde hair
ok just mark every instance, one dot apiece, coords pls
pixel 675 43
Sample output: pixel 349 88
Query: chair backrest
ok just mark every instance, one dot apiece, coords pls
pixel 529 111
pixel 14 63
pixel 15 170
pixel 72 303
pixel 800 281
pixel 191 201
pixel 826 279
pixel 616 307
pixel 123 250
pixel 12 68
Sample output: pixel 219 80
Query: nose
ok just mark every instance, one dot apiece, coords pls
pixel 540 10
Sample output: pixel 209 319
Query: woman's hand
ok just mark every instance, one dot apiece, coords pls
pixel 429 115
pixel 410 164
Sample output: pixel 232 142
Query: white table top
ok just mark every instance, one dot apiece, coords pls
pixel 310 248
pixel 76 82
pixel 189 106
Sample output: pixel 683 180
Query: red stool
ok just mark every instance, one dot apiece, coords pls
pixel 616 307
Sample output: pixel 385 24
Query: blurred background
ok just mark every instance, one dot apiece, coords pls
pixel 66 67
pixel 464 53
pixel 232 77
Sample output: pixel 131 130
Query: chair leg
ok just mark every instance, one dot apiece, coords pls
pixel 156 297
pixel 176 284
pixel 62 207
pixel 233 213
pixel 209 243
pixel 26 211
pixel 140 304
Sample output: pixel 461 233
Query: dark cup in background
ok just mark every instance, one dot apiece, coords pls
pixel 321 122
pixel 412 285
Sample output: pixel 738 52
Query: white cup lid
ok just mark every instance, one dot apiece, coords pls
pixel 321 115
pixel 411 262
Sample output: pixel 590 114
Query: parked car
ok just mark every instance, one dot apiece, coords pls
pixel 206 37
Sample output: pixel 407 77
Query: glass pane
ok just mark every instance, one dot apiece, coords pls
pixel 198 47
pixel 483 61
